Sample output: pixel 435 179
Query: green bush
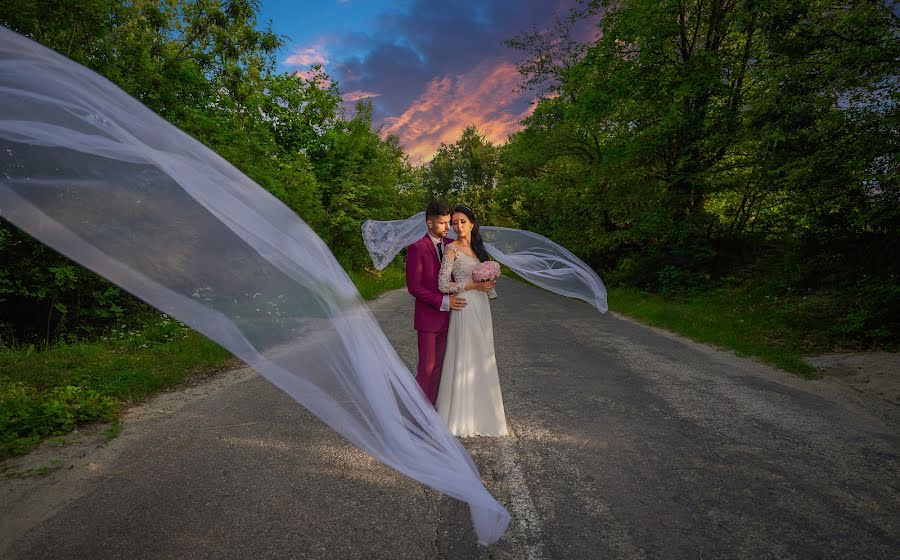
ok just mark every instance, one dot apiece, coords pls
pixel 867 314
pixel 46 297
pixel 27 416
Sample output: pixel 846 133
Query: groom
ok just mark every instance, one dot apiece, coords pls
pixel 432 314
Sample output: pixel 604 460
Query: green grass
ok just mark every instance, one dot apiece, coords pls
pixel 137 361
pixel 49 392
pixel 372 283
pixel 729 319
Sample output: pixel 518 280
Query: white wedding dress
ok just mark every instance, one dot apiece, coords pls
pixel 469 398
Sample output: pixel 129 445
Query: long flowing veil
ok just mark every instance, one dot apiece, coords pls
pixel 533 257
pixel 91 172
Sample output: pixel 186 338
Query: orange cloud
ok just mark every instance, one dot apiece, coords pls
pixel 484 97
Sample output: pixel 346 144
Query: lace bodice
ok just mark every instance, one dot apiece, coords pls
pixel 459 266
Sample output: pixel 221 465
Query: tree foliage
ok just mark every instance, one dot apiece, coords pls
pixel 684 146
pixel 467 172
pixel 207 66
pixel 694 142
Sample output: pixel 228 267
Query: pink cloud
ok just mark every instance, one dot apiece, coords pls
pixel 359 94
pixel 307 57
pixel 484 97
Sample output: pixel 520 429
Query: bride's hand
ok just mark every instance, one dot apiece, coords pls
pixel 485 286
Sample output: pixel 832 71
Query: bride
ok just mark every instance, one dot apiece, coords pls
pixel 469 398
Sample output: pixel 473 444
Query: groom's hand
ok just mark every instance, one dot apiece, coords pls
pixel 456 302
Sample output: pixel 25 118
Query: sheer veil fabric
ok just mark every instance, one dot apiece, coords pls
pixel 535 258
pixel 91 172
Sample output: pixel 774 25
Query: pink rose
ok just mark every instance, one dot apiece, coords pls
pixel 488 270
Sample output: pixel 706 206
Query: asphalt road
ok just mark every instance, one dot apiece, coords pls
pixel 627 442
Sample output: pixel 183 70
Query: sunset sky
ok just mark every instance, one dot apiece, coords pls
pixel 431 67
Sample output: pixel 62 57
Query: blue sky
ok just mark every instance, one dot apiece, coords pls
pixel 430 67
pixel 309 21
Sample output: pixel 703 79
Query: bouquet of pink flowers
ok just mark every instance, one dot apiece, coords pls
pixel 488 270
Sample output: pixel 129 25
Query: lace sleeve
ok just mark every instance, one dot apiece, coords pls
pixel 444 283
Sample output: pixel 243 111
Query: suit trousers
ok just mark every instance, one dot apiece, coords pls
pixel 432 346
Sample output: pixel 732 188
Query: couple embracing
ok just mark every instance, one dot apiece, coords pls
pixel 457 367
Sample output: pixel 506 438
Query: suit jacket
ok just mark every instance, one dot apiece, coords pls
pixel 422 267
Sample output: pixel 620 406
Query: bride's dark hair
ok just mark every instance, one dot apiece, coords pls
pixel 477 242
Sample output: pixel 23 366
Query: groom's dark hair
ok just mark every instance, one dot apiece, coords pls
pixel 436 208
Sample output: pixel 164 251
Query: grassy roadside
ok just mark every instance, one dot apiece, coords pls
pixel 728 319
pixel 373 283
pixel 48 392
pixel 45 393
pixel 731 319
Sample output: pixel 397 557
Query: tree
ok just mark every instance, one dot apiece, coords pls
pixel 467 172
pixel 362 177
pixel 697 140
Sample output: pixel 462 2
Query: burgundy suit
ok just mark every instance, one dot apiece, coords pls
pixel 422 267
